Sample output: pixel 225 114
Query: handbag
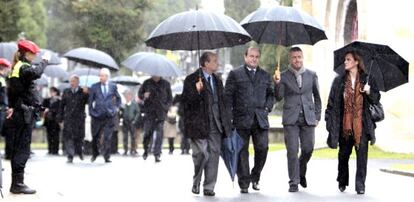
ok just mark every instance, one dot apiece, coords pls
pixel 376 111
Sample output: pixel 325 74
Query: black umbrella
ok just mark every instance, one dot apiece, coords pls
pixel 197 29
pixel 126 80
pixel 92 57
pixel 283 25
pixel 384 65
pixel 230 150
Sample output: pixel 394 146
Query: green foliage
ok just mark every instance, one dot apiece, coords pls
pixel 25 18
pixel 373 153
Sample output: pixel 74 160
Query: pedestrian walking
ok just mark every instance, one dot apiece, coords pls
pixel 299 88
pixel 206 121
pixel 52 106
pixel 250 96
pixel 170 128
pixel 185 142
pixel 72 117
pixel 348 119
pixel 25 105
pixel 130 113
pixel 157 97
pixel 103 103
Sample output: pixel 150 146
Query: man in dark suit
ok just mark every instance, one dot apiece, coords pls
pixel 157 97
pixel 72 114
pixel 206 121
pixel 301 114
pixel 249 94
pixel 104 102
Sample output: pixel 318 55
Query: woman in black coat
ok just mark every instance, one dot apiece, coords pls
pixel 348 120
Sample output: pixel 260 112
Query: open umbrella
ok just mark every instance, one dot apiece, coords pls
pixel 230 150
pixel 56 71
pixel 92 57
pixel 281 25
pixel 88 80
pixel 84 72
pixel 152 64
pixel 126 80
pixel 54 59
pixel 7 50
pixel 42 81
pixel 383 65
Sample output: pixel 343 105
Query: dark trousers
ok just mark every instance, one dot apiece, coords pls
pixel 22 135
pixel 303 136
pixel 114 142
pixel 106 127
pixel 74 146
pixel 261 146
pixel 185 145
pixel 206 153
pixel 171 144
pixel 129 132
pixel 53 131
pixel 345 149
pixel 151 126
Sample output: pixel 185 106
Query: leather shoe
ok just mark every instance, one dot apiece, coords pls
pixel 293 188
pixel 157 159
pixel 108 160
pixel 342 188
pixel 209 193
pixel 360 192
pixel 70 160
pixel 244 190
pixel 195 189
pixel 93 158
pixel 145 156
pixel 303 182
pixel 81 157
pixel 20 188
pixel 256 186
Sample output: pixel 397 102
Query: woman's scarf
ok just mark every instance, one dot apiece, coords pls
pixel 353 106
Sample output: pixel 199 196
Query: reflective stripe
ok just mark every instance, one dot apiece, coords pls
pixel 16 69
pixel 2 81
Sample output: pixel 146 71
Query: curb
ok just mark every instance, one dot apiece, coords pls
pixel 398 172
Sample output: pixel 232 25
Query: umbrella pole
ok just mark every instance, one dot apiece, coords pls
pixel 370 67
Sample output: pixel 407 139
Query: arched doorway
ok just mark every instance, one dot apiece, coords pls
pixel 351 22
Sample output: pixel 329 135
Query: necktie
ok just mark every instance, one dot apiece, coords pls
pixel 211 83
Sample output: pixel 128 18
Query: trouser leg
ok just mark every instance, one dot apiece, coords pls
pixel 307 143
pixel 159 128
pixel 200 157
pixel 261 146
pixel 211 167
pixel 291 133
pixel 243 168
pixel 345 150
pixel 362 161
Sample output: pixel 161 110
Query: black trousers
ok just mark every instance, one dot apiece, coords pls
pixel 345 149
pixel 151 126
pixel 260 139
pixel 103 127
pixel 53 133
pixel 129 132
pixel 20 144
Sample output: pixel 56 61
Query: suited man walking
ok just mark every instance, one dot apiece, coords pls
pixel 104 102
pixel 206 121
pixel 250 96
pixel 301 114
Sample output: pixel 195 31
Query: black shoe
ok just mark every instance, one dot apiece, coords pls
pixel 303 182
pixel 195 189
pixel 93 158
pixel 157 159
pixel 293 188
pixel 107 160
pixel 244 190
pixel 360 192
pixel 342 188
pixel 170 152
pixel 125 154
pixel 256 186
pixel 209 193
pixel 20 188
pixel 81 157
pixel 70 160
pixel 145 156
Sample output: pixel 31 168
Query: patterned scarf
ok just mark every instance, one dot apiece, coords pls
pixel 298 74
pixel 353 105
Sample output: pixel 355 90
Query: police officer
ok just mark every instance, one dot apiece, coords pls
pixel 24 104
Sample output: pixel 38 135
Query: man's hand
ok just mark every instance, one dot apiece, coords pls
pixel 276 76
pixel 9 113
pixel 147 94
pixel 46 56
pixel 199 85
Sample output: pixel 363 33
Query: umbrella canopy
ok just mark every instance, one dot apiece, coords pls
pixel 54 59
pixel 152 64
pixel 92 57
pixel 282 25
pixel 88 80
pixel 126 80
pixel 42 81
pixel 383 65
pixel 230 150
pixel 197 29
pixel 7 50
pixel 85 72
pixel 177 88
pixel 56 71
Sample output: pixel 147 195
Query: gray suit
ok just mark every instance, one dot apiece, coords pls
pixel 301 113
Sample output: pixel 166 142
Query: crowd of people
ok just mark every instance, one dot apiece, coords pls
pixel 208 111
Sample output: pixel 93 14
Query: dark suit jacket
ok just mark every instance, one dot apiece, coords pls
pixel 197 107
pixel 157 104
pixel 249 98
pixel 101 106
pixel 306 98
